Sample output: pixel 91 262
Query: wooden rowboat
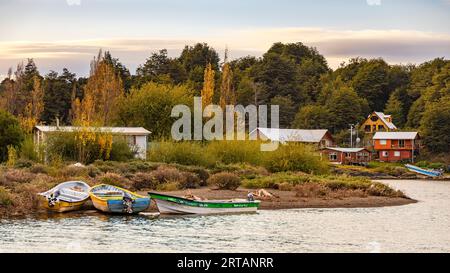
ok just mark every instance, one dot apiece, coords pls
pixel 108 198
pixel 168 204
pixel 67 196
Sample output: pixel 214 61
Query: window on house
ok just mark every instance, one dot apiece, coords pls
pixel 397 154
pixel 401 143
pixel 383 142
pixel 333 156
pixel 347 155
pixel 380 128
pixel 131 140
pixel 385 154
pixel 367 128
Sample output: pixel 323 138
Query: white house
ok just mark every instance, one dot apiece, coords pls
pixel 321 138
pixel 136 137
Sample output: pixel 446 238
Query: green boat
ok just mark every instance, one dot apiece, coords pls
pixel 168 204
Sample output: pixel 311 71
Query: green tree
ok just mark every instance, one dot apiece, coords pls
pixel 58 90
pixel 287 110
pixel 396 107
pixel 194 59
pixel 161 69
pixel 346 107
pixel 435 128
pixel 372 82
pixel 151 107
pixel 11 135
pixel 120 69
pixel 312 117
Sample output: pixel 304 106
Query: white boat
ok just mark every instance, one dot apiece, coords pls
pixel 422 171
pixel 67 196
pixel 168 204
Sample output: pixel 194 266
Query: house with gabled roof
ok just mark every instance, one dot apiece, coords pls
pixel 321 138
pixel 338 155
pixel 378 122
pixel 396 146
pixel 136 137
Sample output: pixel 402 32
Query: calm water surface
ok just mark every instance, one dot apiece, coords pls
pixel 421 227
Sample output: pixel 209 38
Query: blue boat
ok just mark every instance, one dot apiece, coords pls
pixel 422 171
pixel 108 198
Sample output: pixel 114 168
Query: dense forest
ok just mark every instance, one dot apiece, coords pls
pixel 293 76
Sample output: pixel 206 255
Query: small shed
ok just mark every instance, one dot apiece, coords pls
pixel 136 137
pixel 359 156
pixel 321 138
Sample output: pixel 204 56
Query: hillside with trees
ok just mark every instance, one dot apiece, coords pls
pixel 293 76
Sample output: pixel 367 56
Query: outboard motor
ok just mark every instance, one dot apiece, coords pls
pixel 51 199
pixel 250 197
pixel 127 204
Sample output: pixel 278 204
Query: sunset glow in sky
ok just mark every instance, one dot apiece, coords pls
pixel 68 33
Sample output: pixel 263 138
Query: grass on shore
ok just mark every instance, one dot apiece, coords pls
pixel 293 157
pixel 20 184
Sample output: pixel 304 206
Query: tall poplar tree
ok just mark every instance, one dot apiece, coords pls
pixel 208 86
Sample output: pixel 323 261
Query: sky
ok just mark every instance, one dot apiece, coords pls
pixel 69 33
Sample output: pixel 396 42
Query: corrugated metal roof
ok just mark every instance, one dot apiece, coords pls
pixel 346 150
pixel 113 130
pixel 383 117
pixel 395 135
pixel 292 135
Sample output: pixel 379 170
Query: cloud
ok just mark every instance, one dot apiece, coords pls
pixel 395 46
pixel 73 2
pixel 373 2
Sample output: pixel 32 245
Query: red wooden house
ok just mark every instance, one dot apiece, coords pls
pixel 396 146
pixel 360 156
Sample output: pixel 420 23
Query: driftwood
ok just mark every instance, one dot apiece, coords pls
pixel 262 193
pixel 190 196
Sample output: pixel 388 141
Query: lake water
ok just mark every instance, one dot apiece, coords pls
pixel 421 227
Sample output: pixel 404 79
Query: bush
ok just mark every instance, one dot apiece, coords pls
pixel 74 171
pixel 231 152
pixel 274 181
pixel 10 133
pixel 225 181
pixel 165 174
pixel 296 157
pixel 120 151
pixel 39 168
pixel 436 166
pixel 114 180
pixel 28 150
pixel 200 172
pixel 19 176
pixel 184 153
pixel 5 197
pixel 23 163
pixel 142 181
pixel 93 171
pixel 171 186
pixel 189 181
pixel 379 189
pixel 311 190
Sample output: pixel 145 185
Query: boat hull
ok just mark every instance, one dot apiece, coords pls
pixel 421 171
pixel 167 207
pixel 116 205
pixel 63 197
pixel 174 205
pixel 62 206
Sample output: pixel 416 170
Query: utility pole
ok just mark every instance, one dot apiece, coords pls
pixel 351 135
